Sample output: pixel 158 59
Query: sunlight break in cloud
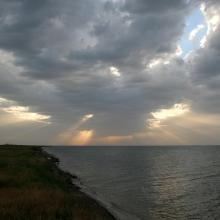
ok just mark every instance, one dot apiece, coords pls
pixel 154 63
pixel 115 71
pixel 4 101
pixel 166 59
pixel 87 117
pixel 195 31
pixel 73 136
pixel 22 112
pixel 212 18
pixel 84 119
pixel 176 110
pixel 82 137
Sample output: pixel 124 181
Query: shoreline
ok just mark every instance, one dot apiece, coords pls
pixel 114 210
pixel 75 178
pixel 34 187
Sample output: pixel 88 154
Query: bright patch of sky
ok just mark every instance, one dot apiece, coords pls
pixel 115 71
pixel 195 30
pixel 161 115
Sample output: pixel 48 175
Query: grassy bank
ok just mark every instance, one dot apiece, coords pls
pixel 32 187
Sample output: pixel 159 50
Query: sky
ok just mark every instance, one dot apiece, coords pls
pixel 110 72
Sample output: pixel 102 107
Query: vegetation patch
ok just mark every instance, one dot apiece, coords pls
pixel 32 187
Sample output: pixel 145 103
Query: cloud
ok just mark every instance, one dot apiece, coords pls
pixel 195 31
pixel 56 41
pixel 161 115
pixel 115 71
pixel 116 60
pixel 205 63
pixel 165 59
pixel 212 17
pixel 22 113
pixel 78 138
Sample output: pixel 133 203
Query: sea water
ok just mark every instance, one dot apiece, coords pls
pixel 168 182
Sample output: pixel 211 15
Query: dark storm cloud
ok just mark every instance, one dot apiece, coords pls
pixel 205 67
pixel 39 31
pixel 65 50
pixel 141 6
pixel 128 38
pixel 50 37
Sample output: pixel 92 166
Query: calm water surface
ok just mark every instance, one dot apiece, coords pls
pixel 149 182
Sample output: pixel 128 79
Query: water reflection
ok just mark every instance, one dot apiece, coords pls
pixel 151 183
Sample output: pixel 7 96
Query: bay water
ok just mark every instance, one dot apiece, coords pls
pixel 167 182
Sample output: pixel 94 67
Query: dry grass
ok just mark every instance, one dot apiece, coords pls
pixel 33 188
